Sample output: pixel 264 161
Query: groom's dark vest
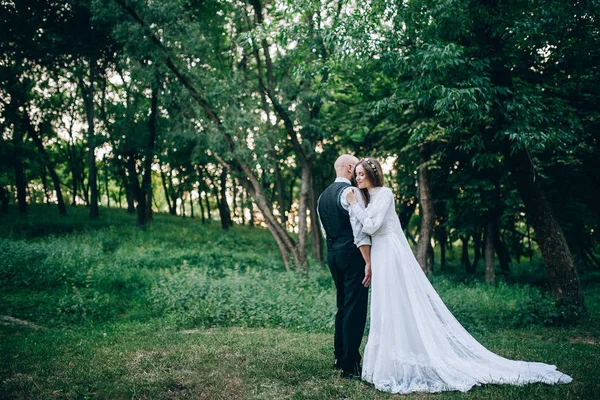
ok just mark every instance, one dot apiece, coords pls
pixel 335 219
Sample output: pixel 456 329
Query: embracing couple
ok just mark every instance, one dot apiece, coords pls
pixel 415 344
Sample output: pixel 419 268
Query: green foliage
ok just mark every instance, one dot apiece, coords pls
pixel 191 275
pixel 194 298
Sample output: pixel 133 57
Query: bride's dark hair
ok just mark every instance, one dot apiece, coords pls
pixel 373 172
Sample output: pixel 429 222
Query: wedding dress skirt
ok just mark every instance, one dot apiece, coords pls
pixel 415 344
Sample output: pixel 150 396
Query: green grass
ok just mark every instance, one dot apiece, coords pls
pixel 185 310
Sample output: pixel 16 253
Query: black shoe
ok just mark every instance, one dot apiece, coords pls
pixel 355 371
pixel 337 365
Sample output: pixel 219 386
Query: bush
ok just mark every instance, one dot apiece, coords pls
pixel 195 298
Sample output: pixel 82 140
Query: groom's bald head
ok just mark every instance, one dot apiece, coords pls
pixel 344 166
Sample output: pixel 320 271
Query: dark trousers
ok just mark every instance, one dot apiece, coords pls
pixel 347 268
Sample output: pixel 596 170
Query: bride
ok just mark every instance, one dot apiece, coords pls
pixel 415 344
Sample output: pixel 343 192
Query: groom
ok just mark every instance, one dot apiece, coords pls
pixel 348 257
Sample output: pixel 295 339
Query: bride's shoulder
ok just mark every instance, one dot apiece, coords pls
pixel 387 190
pixel 382 191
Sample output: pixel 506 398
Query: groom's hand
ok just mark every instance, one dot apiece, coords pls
pixel 367 281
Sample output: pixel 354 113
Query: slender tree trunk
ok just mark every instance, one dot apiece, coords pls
pixel 564 281
pixel 33 134
pixel 490 275
pixel 44 178
pixel 223 206
pixel 106 184
pixel 302 215
pixel 244 206
pixel 183 215
pixel 166 190
pixel 501 251
pixel 424 249
pixel 441 231
pixel 280 196
pixel 465 254
pixel 234 197
pixel 129 195
pixel 191 206
pixel 20 180
pixel 4 200
pixel 207 202
pixel 88 99
pixel 149 156
pixel 315 228
pixel 476 250
pixel 201 206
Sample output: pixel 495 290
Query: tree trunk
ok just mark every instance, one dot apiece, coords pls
pixel 201 206
pixel 20 180
pixel 564 281
pixel 490 276
pixel 163 179
pixel 129 195
pixel 465 254
pixel 44 178
pixel 149 157
pixel 315 228
pixel 442 234
pixel 476 250
pixel 88 99
pixel 223 205
pixel 302 214
pixel 106 184
pixel 501 251
pixel 4 200
pixel 280 196
pixel 191 206
pixel 424 249
pixel 62 210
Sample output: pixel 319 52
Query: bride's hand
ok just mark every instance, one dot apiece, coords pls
pixel 351 197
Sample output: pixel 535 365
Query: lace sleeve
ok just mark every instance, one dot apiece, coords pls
pixel 372 217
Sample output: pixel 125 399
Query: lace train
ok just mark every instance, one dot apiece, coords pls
pixel 415 344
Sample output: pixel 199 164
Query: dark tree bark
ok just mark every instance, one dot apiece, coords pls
pixel 20 180
pixel 476 250
pixel 201 206
pixel 3 200
pixel 280 193
pixel 315 228
pixel 564 281
pixel 207 202
pixel 501 251
pixel 33 134
pixel 490 275
pixel 106 184
pixel 465 254
pixel 44 178
pixel 191 206
pixel 146 189
pixel 224 211
pixel 129 195
pixel 424 249
pixel 88 99
pixel 442 234
pixel 171 206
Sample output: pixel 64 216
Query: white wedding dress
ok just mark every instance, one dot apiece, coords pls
pixel 415 344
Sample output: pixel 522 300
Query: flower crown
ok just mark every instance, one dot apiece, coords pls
pixel 372 165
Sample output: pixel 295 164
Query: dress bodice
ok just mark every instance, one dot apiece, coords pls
pixel 379 217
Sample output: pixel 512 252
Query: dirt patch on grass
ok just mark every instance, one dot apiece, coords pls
pixel 584 340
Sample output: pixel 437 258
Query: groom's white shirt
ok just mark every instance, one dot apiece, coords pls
pixel 360 238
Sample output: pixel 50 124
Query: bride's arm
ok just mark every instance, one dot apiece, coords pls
pixel 372 216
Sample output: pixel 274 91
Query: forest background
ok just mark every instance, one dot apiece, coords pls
pixel 161 161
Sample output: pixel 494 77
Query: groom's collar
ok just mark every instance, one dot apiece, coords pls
pixel 342 179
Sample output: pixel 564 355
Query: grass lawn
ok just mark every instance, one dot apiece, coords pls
pixel 118 317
